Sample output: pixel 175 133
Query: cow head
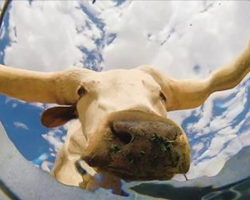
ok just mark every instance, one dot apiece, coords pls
pixel 123 117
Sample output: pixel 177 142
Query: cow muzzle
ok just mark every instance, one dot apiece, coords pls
pixel 135 146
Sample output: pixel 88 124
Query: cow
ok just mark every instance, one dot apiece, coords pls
pixel 121 131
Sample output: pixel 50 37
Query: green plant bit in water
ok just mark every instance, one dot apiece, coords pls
pixel 143 152
pixel 129 157
pixel 115 148
pixel 136 135
pixel 163 143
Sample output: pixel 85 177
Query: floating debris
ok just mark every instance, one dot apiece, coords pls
pixel 115 148
pixel 163 143
pixel 185 177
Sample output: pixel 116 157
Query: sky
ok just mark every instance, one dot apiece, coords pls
pixel 183 39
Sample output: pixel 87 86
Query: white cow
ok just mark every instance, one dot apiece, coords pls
pixel 122 131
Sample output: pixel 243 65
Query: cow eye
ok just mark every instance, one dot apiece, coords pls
pixel 81 91
pixel 163 97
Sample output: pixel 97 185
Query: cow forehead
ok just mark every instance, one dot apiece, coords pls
pixel 121 79
pixel 117 90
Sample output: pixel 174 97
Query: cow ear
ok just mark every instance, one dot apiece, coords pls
pixel 57 116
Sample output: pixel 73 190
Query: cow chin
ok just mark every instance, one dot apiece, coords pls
pixel 135 146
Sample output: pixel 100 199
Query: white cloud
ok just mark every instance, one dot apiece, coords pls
pixel 44 35
pixel 14 103
pixel 245 138
pixel 185 46
pixel 46 166
pixel 206 115
pixel 54 139
pixel 21 125
pixel 179 116
pixel 212 165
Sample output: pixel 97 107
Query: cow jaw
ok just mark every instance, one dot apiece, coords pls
pixel 135 145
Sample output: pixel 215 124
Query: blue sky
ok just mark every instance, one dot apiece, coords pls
pixel 27 139
pixel 183 39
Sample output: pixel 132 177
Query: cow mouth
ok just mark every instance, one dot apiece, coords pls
pixel 137 146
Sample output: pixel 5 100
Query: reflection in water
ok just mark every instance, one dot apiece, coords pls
pixel 17 176
pixel 238 190
pixel 224 186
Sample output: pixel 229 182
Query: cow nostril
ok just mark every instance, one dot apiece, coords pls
pixel 123 135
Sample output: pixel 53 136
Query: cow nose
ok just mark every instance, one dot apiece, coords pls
pixel 128 131
pixel 138 146
pixel 122 130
